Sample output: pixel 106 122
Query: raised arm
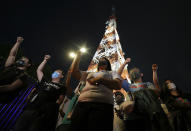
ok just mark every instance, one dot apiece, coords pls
pixel 40 68
pixel 75 66
pixel 155 77
pixel 68 87
pixel 11 58
pixel 121 68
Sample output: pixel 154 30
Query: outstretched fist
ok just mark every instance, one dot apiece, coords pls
pixel 154 67
pixel 20 39
pixel 128 60
pixel 47 57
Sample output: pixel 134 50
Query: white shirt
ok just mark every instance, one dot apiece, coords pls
pixel 98 93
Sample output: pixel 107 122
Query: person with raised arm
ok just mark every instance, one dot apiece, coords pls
pixel 155 76
pixel 143 103
pixel 43 105
pixel 13 78
pixel 94 110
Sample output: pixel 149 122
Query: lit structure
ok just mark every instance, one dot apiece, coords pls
pixel 110 48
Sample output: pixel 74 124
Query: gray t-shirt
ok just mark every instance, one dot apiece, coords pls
pixel 98 93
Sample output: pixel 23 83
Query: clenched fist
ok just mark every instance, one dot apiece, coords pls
pixel 128 60
pixel 47 57
pixel 154 67
pixel 20 39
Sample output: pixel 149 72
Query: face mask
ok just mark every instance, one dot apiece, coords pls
pixel 20 63
pixel 55 74
pixel 171 86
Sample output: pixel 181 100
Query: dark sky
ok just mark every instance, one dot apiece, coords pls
pixel 150 32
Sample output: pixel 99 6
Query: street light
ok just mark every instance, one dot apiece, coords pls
pixel 83 50
pixel 72 54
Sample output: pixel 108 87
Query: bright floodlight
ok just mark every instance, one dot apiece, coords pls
pixel 83 50
pixel 72 55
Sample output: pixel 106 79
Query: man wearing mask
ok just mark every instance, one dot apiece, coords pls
pixel 41 113
pixel 13 77
pixel 144 108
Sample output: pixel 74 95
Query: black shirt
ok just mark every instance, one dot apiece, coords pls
pixel 8 76
pixel 47 92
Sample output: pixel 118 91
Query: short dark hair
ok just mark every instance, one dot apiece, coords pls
pixel 108 64
pixel 134 74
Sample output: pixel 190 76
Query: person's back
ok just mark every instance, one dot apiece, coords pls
pixel 146 110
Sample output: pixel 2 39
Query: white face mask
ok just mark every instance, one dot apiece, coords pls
pixel 171 86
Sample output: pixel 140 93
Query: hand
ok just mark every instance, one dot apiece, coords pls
pixel 47 57
pixel 154 67
pixel 69 71
pixel 20 39
pixel 94 80
pixel 128 60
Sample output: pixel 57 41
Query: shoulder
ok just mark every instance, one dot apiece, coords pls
pixel 22 76
pixel 84 75
pixel 150 85
pixel 125 82
pixel 43 80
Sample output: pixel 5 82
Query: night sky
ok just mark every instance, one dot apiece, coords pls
pixel 150 32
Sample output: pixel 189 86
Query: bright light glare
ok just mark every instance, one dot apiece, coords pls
pixel 83 50
pixel 72 55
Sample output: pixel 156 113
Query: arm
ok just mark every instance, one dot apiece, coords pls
pixel 11 58
pixel 29 96
pixel 62 107
pixel 121 68
pixel 155 77
pixel 41 67
pixel 75 67
pixel 112 84
pixel 11 87
pixel 60 99
pixel 68 87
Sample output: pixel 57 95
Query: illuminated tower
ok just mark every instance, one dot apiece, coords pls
pixel 110 48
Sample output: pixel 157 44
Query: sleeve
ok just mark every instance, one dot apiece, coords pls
pixel 115 75
pixel 42 81
pixel 126 85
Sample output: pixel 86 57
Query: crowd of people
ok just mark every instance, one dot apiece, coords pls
pixel 97 103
